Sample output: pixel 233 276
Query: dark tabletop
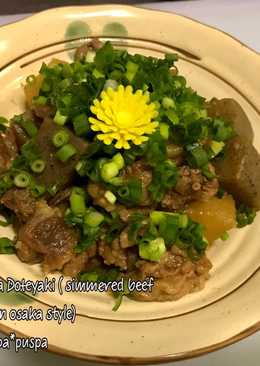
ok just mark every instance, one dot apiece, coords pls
pixel 30 6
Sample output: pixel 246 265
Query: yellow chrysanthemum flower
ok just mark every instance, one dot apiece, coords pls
pixel 123 116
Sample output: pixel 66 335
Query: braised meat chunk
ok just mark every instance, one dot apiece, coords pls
pixel 56 172
pixel 8 149
pixel 46 233
pixel 20 201
pixel 191 186
pixel 175 275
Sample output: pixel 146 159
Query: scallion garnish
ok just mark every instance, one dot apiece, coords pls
pixel 93 219
pixel 6 246
pixel 81 125
pixel 60 138
pixel 60 119
pixel 66 152
pixel 77 201
pixel 37 190
pixel 109 170
pixel 22 180
pixel 152 250
pixel 38 166
pixel 111 198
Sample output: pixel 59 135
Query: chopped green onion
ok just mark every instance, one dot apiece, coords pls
pixel 207 172
pixel 217 147
pixel 89 276
pixel 168 228
pixel 118 160
pixel 245 215
pixel 40 100
pixel 38 190
pixel 29 127
pixel 90 56
pixel 93 219
pixel 157 217
pixel 200 157
pixel 64 84
pixel 120 295
pixel 164 130
pixel 110 83
pixel 60 119
pixel 30 151
pixel 6 246
pixel 53 189
pixel 80 168
pixel 3 120
pixel 116 181
pixel 38 166
pixel 153 250
pixel 81 125
pixel 131 192
pixel 66 152
pixel 30 79
pixel 223 131
pixel 131 70
pixel 109 171
pixel 101 162
pixel 60 138
pixel 22 180
pixel 156 103
pixel 45 87
pixel 172 115
pixel 168 103
pixel 3 123
pixel 183 221
pixel 124 192
pixel 224 236
pixel 97 74
pixel 6 182
pixel 77 201
pixel 111 198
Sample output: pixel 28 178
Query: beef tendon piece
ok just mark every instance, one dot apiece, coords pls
pixel 79 262
pixel 113 254
pixel 82 51
pixel 26 254
pixel 141 171
pixel 191 186
pixel 175 276
pixel 239 171
pixel 97 193
pixel 20 201
pixel 231 111
pixel 46 233
pixel 56 172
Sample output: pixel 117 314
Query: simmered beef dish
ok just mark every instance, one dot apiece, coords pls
pixel 117 168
